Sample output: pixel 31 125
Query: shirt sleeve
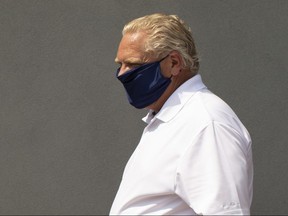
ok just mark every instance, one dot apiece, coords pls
pixel 214 175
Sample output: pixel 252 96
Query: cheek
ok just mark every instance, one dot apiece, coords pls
pixel 165 69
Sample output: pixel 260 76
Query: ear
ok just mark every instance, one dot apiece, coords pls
pixel 176 62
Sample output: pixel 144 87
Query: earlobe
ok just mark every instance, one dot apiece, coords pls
pixel 175 71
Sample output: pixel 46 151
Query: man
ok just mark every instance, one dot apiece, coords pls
pixel 195 155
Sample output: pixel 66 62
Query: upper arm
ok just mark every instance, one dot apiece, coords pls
pixel 214 175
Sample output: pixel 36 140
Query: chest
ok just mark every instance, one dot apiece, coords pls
pixel 154 162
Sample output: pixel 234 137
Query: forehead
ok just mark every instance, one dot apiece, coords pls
pixel 131 46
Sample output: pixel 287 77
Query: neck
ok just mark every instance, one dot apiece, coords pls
pixel 176 81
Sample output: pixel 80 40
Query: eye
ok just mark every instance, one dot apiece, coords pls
pixel 126 66
pixel 133 65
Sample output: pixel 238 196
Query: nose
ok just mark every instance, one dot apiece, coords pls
pixel 122 69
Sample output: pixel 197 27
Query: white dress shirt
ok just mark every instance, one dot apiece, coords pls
pixel 194 157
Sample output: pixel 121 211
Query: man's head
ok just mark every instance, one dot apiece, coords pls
pixel 148 40
pixel 165 33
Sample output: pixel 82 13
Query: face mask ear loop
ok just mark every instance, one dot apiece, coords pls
pixel 164 58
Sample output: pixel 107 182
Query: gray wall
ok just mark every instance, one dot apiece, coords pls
pixel 66 129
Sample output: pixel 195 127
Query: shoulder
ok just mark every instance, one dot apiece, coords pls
pixel 205 108
pixel 211 108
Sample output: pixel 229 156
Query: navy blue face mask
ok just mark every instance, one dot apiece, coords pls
pixel 144 84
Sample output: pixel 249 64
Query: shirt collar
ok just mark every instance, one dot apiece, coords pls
pixel 177 100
